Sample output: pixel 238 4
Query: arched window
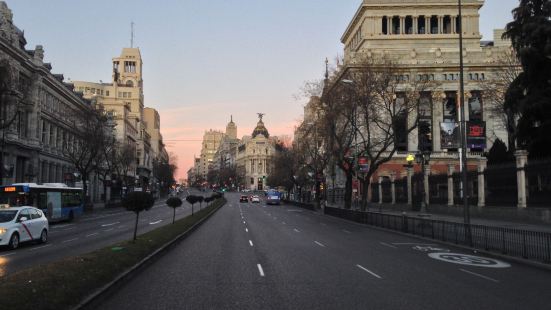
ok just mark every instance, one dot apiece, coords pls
pixel 129 83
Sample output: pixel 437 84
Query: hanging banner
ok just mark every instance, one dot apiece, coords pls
pixel 476 135
pixel 363 165
pixel 449 135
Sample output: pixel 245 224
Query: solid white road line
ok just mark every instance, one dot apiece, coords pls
pixel 68 228
pixel 369 271
pixel 388 245
pixel 156 222
pixel 108 229
pixel 346 231
pixel 41 247
pixel 479 275
pixel 69 240
pixel 90 235
pixel 320 244
pixel 250 242
pixel 4 255
pixel 296 230
pixel 110 224
pixel 260 270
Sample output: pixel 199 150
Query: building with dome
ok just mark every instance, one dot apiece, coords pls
pixel 254 157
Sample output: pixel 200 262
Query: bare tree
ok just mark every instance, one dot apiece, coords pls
pixel 124 158
pixel 338 104
pixel 386 113
pixel 90 131
pixel 494 91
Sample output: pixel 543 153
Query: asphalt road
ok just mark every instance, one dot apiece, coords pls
pixel 252 256
pixel 88 233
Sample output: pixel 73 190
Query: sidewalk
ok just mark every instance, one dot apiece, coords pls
pixel 397 210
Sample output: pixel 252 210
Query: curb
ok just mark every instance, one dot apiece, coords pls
pixel 93 300
pixel 515 259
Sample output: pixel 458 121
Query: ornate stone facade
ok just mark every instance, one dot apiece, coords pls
pixel 254 157
pixel 34 105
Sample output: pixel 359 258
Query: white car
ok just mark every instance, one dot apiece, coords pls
pixel 255 198
pixel 21 224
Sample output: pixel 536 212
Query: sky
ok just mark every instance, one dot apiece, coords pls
pixel 205 60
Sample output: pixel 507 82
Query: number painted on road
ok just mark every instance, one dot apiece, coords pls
pixel 469 260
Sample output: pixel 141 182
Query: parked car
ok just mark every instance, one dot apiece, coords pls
pixel 243 198
pixel 22 224
pixel 255 198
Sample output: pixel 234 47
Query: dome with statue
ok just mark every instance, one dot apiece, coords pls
pixel 260 128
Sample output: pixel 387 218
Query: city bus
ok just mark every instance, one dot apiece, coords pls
pixel 57 200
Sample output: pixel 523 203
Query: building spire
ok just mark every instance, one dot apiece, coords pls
pixel 231 118
pixel 131 34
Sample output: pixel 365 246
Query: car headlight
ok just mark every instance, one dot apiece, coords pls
pixel 3 231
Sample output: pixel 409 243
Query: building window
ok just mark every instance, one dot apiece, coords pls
pixel 396 25
pixel 434 24
pixel 409 25
pixel 421 25
pixel 400 123
pixel 450 107
pixel 425 122
pixel 44 132
pixel 107 93
pixel 475 106
pixel 447 24
pixel 385 25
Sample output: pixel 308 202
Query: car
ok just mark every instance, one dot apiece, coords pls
pixel 255 198
pixel 243 198
pixel 22 224
pixel 273 199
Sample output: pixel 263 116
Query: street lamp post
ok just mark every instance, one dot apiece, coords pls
pixel 463 127
pixel 423 158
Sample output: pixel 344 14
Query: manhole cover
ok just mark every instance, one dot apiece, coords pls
pixel 469 260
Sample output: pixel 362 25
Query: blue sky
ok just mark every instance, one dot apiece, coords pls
pixel 205 60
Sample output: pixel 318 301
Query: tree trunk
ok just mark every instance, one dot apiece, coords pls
pixel 318 195
pixel 173 215
pixel 104 191
pixel 192 209
pixel 136 225
pixel 366 183
pixel 348 191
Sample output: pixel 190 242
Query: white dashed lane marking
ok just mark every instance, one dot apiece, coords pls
pixel 369 271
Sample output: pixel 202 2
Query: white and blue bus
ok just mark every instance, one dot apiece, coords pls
pixel 57 200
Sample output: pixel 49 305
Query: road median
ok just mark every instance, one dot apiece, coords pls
pixel 75 282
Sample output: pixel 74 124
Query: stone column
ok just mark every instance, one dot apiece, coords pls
pixel 437 117
pixel 410 189
pixel 413 136
pixel 482 163
pixel 380 190
pixel 522 158
pixel 426 174
pixel 389 25
pixel 393 187
pixel 454 23
pixel 415 24
pixel 440 24
pixel 402 24
pixel 451 170
pixel 427 24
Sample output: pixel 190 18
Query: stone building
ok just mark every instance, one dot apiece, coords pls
pixel 123 99
pixel 225 155
pixel 211 142
pixel 421 39
pixel 254 157
pixel 33 111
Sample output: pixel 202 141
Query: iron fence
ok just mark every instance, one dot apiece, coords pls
pixel 527 244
